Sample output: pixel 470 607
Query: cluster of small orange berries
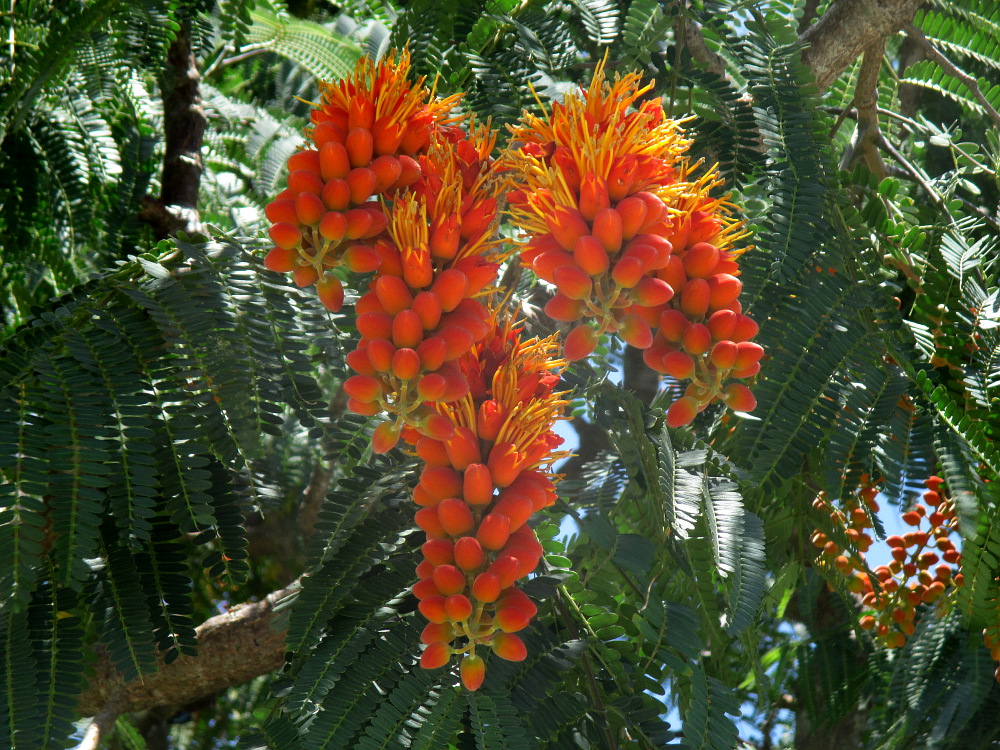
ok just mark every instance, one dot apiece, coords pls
pixel 853 517
pixel 367 134
pixel 925 563
pixel 630 243
pixel 477 492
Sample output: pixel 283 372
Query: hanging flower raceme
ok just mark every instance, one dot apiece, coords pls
pixel 702 334
pixel 367 134
pixel 477 492
pixel 422 312
pixel 601 187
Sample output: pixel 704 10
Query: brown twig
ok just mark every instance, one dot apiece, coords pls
pixel 592 687
pixel 867 134
pixel 101 727
pixel 953 70
pixel 809 11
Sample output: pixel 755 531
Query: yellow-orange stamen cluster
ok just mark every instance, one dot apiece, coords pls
pixel 422 312
pixel 368 132
pixel 633 244
pixel 477 492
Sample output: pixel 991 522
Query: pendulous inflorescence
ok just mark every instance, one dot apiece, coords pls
pixel 423 310
pixel 477 492
pixel 632 242
pixel 367 133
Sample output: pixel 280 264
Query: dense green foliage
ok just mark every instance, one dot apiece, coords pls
pixel 162 400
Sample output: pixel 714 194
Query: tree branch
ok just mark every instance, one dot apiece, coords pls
pixel 867 134
pixel 694 40
pixel 846 29
pixel 184 129
pixel 246 642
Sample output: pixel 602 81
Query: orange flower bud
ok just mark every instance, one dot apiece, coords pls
pixel 593 196
pixel 486 588
pixel 330 292
pixel 695 298
pixel 697 339
pixel 493 532
pixel 473 672
pixel 361 182
pixel 360 147
pixel 505 463
pixel 385 437
pixel 580 342
pixel 608 229
pixel 477 488
pixel 573 282
pixel 633 216
pixel 700 260
pixel 448 579
pixel 590 255
pixel 627 271
pixel 285 235
pixel 428 520
pixel 305 181
pixel 463 448
pixel 567 226
pixel 434 610
pixel 506 567
pixel 682 411
pixel 282 259
pixel 336 195
pixel 436 654
pixel 508 646
pixel 439 551
pixel 308 159
pixel 387 170
pixel 469 554
pixel 723 289
pixel 449 287
pixel 739 398
pixel 334 163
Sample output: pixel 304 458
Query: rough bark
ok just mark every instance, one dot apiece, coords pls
pixel 233 648
pixel 846 29
pixel 183 130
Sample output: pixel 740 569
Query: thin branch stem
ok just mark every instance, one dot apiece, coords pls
pixel 867 132
pixel 249 51
pixel 101 727
pixel 953 70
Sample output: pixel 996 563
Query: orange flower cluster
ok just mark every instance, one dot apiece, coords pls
pixel 367 133
pixel 477 491
pixel 925 562
pixel 421 313
pixel 631 243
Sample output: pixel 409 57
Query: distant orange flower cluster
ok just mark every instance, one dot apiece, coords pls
pixel 394 185
pixel 925 564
